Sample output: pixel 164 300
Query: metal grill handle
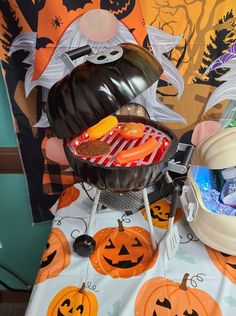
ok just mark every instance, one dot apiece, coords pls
pixel 73 54
pixel 79 52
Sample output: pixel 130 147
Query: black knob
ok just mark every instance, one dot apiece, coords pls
pixel 84 245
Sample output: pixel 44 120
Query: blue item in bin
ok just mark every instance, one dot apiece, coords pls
pixel 211 196
pixel 211 201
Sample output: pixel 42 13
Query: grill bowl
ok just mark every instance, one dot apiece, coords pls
pixel 120 179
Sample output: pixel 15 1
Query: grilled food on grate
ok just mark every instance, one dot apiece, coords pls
pixel 93 148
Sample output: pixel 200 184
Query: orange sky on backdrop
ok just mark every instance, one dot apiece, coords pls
pixel 150 11
pixel 134 20
pixel 175 16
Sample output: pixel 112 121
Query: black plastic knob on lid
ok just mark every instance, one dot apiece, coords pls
pixel 93 91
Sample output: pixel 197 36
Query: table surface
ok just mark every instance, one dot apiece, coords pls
pixel 124 276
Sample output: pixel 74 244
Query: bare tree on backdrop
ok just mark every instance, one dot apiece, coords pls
pixel 193 29
pixel 219 44
pixel 11 26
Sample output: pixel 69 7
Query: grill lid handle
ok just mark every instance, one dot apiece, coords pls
pixel 73 54
pixel 107 56
pixel 79 52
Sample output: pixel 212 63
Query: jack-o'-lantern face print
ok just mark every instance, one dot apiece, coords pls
pixel 73 301
pixel 160 213
pixel 163 297
pixel 225 263
pixel 123 252
pixel 56 256
pixel 48 258
pixel 120 9
pixel 126 256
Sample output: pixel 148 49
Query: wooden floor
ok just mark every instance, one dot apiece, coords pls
pixel 13 303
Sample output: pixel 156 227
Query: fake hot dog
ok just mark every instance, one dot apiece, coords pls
pixel 136 153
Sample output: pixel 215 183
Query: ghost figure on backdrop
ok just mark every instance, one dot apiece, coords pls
pixel 100 29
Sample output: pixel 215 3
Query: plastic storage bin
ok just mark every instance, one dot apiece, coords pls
pixel 215 230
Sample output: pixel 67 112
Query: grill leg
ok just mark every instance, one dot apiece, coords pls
pixel 149 218
pixel 93 213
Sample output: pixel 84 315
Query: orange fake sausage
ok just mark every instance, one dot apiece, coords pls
pixel 136 153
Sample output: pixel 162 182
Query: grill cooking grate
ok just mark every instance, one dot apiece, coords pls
pixel 118 143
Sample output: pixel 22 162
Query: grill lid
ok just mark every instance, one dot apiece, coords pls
pixel 93 91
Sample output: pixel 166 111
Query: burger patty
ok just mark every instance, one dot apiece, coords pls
pixel 93 148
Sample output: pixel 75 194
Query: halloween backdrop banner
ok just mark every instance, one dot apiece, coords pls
pixel 194 41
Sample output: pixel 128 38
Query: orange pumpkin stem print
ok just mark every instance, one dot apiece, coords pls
pixel 68 196
pixel 226 264
pixel 73 301
pixel 56 256
pixel 163 297
pixel 123 252
pixel 160 213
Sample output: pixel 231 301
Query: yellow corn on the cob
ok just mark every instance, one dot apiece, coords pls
pixel 103 127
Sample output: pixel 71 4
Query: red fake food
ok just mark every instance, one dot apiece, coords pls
pixel 138 152
pixel 132 130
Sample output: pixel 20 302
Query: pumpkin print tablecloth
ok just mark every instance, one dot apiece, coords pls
pixel 124 276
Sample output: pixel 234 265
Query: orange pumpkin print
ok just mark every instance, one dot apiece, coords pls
pixel 163 297
pixel 132 130
pixel 56 256
pixel 68 196
pixel 73 301
pixel 160 212
pixel 226 264
pixel 123 252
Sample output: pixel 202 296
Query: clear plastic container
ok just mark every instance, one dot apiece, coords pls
pixel 228 193
pixel 210 183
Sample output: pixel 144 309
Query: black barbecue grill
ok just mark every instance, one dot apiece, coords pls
pixel 93 90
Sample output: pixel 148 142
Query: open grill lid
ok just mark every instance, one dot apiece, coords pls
pixel 99 87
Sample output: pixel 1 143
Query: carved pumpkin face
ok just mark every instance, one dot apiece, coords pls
pixel 56 256
pixel 123 253
pixel 160 211
pixel 226 264
pixel 68 196
pixel 120 9
pixel 73 301
pixel 160 296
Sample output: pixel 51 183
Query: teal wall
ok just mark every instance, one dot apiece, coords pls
pixel 22 242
